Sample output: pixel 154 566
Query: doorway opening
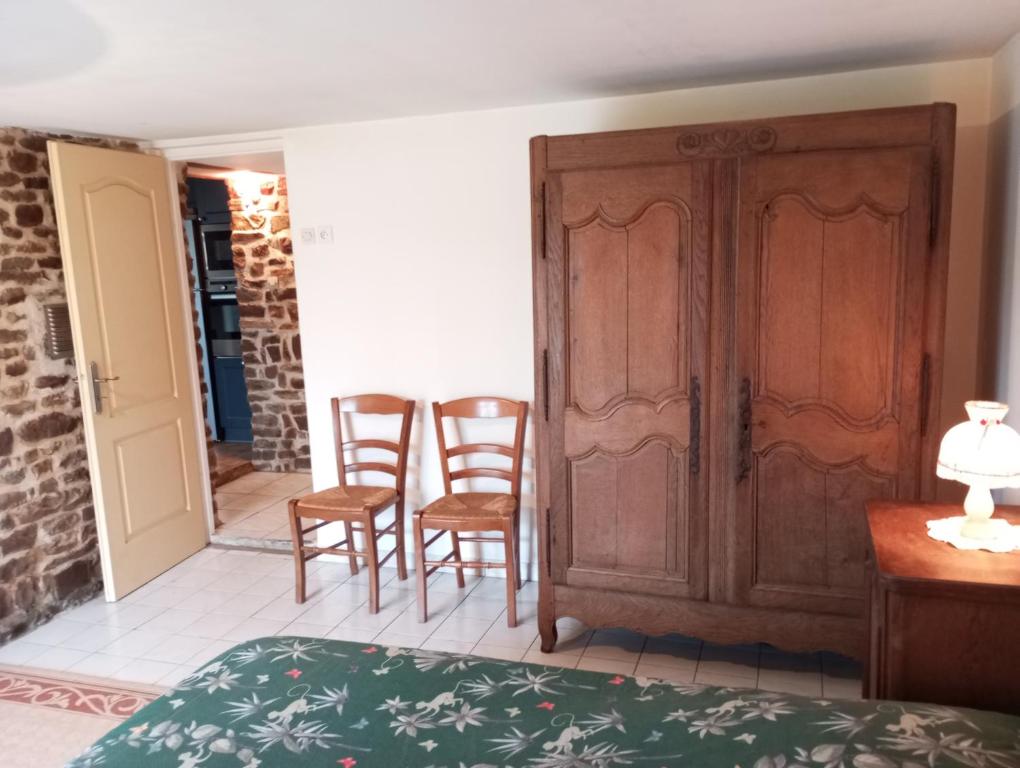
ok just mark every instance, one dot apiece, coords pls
pixel 237 226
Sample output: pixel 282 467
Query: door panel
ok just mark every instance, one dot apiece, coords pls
pixel 831 276
pixel 126 291
pixel 628 291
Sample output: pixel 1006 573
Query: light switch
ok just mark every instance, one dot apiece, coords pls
pixel 308 235
pixel 325 234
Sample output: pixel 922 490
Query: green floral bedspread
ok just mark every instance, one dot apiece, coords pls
pixel 292 701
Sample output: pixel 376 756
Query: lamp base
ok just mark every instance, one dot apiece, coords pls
pixel 979 508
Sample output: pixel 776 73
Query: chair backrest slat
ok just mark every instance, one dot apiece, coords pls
pixel 483 408
pixel 383 405
pixel 499 474
pixel 372 466
pixel 386 445
pixel 502 450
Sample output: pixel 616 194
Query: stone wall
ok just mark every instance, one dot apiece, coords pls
pixel 270 342
pixel 49 556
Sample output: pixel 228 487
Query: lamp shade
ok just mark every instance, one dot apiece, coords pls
pixel 983 451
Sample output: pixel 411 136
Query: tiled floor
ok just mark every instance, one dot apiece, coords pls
pixel 255 506
pixel 221 597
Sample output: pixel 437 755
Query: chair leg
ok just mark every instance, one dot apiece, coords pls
pixel 517 550
pixel 456 554
pixel 419 566
pixel 511 579
pixel 372 553
pixel 299 551
pixel 353 560
pixel 401 547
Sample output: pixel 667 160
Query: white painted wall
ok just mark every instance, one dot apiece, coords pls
pixel 1003 294
pixel 426 289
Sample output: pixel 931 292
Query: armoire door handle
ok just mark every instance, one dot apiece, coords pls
pixel 695 425
pixel 744 430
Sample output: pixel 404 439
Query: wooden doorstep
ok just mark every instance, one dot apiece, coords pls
pixel 713 622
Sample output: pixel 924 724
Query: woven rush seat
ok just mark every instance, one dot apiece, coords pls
pixel 348 498
pixel 464 507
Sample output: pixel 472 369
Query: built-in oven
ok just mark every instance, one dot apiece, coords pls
pixel 223 322
pixel 217 256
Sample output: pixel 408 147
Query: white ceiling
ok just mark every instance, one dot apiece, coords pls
pixel 181 68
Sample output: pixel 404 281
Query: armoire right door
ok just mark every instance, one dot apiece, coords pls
pixel 833 249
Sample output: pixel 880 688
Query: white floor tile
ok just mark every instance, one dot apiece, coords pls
pixel 210 652
pixel 136 642
pixel 407 624
pixel 521 636
pixel 398 640
pixel 172 619
pixel 177 649
pixel 785 681
pixel 447 645
pixel 144 671
pixel 462 629
pixel 174 676
pixel 54 632
pixel 21 652
pixel 243 606
pixel 284 609
pixel 360 618
pixel 166 597
pixel 250 629
pixel 100 664
pixel 131 616
pixel 535 656
pixel 621 666
pixel 615 644
pixel 94 637
pixel 58 658
pixel 501 652
pixel 354 635
pixel 211 626
pixel 723 680
pixel 304 629
pixel 473 607
pixel 94 611
pixel 840 687
pixel 328 613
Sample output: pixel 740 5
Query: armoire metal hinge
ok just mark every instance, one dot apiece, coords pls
pixel 545 383
pixel 925 393
pixel 933 212
pixel 542 214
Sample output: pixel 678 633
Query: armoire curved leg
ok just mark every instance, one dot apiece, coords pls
pixel 547 632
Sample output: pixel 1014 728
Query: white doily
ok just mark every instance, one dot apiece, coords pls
pixel 1006 539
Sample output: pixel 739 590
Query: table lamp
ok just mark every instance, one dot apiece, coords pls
pixel 983 453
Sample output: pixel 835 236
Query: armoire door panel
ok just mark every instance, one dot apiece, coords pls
pixel 622 354
pixel 832 250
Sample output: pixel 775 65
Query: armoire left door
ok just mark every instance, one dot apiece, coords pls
pixel 627 258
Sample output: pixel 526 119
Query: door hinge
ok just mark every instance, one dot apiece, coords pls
pixel 545 383
pixel 925 393
pixel 933 198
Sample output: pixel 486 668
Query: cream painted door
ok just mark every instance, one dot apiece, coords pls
pixel 120 237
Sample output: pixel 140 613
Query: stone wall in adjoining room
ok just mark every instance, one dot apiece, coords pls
pixel 49 555
pixel 270 341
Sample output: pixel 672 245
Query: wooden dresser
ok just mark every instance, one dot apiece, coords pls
pixel 738 342
pixel 944 624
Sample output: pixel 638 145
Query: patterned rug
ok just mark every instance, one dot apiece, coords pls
pixel 47 718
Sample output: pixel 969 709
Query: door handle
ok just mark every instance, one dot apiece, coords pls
pixel 744 430
pixel 97 383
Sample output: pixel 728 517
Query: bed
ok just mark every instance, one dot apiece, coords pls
pixel 296 701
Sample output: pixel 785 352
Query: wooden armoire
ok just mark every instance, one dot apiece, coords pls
pixel 738 342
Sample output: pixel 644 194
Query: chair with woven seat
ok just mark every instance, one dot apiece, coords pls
pixel 357 506
pixel 475 512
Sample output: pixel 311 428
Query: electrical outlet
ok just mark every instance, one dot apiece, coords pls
pixel 325 233
pixel 308 235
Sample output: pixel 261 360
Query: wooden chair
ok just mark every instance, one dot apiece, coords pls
pixel 357 506
pixel 475 512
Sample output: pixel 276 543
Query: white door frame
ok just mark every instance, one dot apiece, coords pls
pixel 202 149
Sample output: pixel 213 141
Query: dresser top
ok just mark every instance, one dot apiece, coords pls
pixel 903 550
